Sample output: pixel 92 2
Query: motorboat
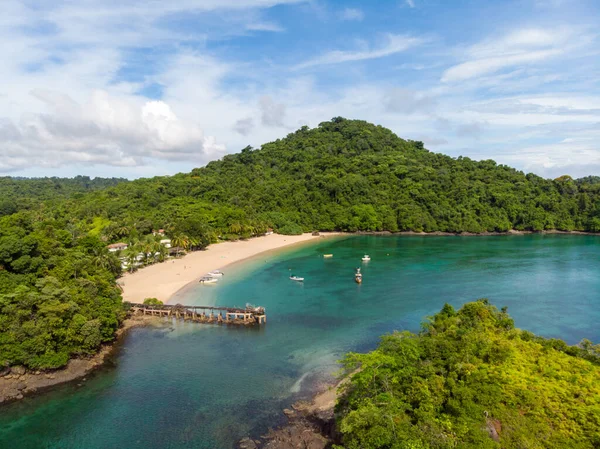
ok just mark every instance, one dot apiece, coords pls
pixel 327 256
pixel 366 258
pixel 358 276
pixel 208 280
pixel 293 277
pixel 216 273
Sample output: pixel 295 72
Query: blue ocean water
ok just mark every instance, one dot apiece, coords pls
pixel 199 386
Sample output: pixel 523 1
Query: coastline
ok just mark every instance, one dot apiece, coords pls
pixel 20 382
pixel 164 280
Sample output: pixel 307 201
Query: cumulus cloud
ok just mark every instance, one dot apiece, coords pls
pixel 272 114
pixel 410 3
pixel 106 129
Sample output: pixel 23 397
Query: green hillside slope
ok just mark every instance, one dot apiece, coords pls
pixel 471 380
pixel 350 175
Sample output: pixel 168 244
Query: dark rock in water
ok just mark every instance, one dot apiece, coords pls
pixel 247 443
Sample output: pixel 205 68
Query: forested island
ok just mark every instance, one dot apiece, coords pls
pixel 59 296
pixel 470 379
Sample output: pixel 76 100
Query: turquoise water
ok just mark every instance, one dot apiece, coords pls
pixel 198 386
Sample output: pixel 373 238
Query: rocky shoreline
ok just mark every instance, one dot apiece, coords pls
pixel 311 425
pixel 16 382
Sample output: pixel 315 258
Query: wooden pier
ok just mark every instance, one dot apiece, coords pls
pixel 205 314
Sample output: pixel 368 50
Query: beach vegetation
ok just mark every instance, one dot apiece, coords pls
pixel 152 302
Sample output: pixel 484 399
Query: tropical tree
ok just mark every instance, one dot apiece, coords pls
pixel 180 241
pixel 104 259
pixel 131 257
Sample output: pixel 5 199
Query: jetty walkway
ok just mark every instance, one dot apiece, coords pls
pixel 205 314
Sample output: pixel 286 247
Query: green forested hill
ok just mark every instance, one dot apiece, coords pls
pixel 349 175
pixel 58 296
pixel 26 193
pixel 471 380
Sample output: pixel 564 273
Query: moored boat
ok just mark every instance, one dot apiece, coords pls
pixel 208 280
pixel 358 276
pixel 293 277
pixel 366 258
pixel 327 256
pixel 216 273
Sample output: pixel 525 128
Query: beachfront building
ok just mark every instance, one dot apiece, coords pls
pixel 114 247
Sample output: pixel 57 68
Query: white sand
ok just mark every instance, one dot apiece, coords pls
pixel 163 280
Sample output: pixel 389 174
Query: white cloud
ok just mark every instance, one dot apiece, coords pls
pixel 519 48
pixel 352 14
pixel 479 67
pixel 108 130
pixel 272 114
pixel 406 101
pixel 265 26
pixel 244 126
pixel 410 3
pixel 577 157
pixel 392 44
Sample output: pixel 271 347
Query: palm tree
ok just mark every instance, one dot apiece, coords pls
pixel 131 255
pixel 235 228
pixel 180 241
pixel 122 231
pixel 147 248
pixel 103 258
pixel 161 252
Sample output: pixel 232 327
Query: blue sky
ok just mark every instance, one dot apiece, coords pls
pixel 141 88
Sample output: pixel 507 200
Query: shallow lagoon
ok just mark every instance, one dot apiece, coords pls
pixel 198 386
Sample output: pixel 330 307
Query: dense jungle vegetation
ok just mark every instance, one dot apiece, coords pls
pixel 469 379
pixel 58 296
pixel 26 193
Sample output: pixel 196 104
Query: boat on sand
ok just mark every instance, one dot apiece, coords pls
pixel 208 280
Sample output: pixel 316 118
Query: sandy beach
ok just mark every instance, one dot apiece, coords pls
pixel 163 280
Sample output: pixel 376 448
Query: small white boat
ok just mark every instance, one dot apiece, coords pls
pixel 366 258
pixel 208 280
pixel 327 256
pixel 293 277
pixel 216 273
